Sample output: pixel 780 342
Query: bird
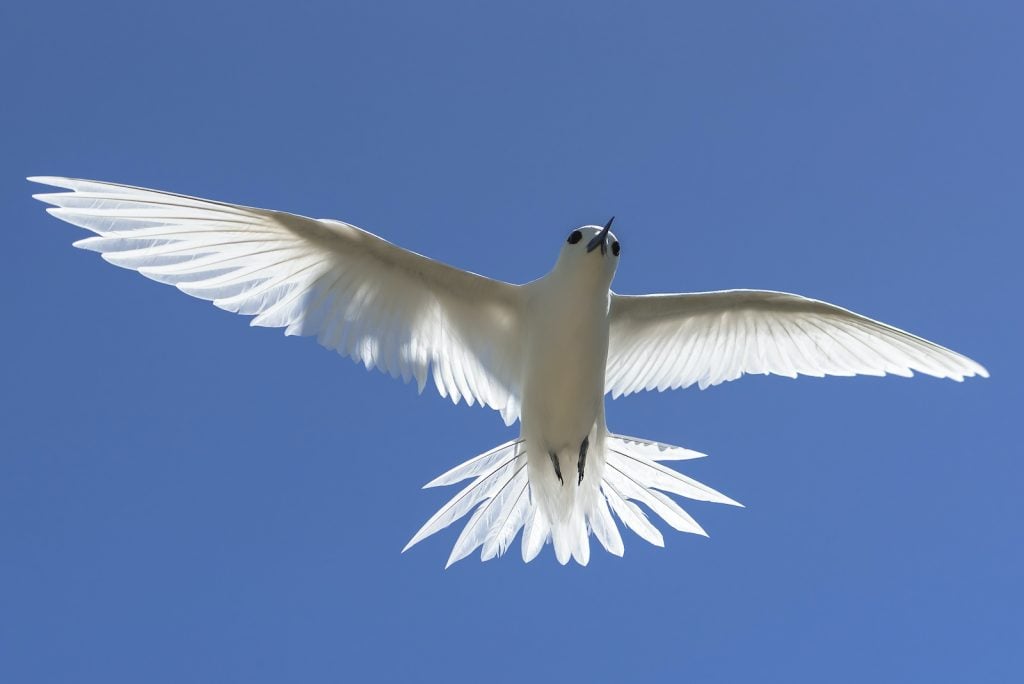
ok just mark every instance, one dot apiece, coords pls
pixel 544 354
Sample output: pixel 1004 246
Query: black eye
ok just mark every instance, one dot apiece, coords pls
pixel 574 237
pixel 615 248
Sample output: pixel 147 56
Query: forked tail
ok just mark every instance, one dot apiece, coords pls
pixel 502 502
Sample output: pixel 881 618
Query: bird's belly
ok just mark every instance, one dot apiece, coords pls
pixel 562 408
pixel 563 385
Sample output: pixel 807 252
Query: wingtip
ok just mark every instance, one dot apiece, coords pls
pixel 46 180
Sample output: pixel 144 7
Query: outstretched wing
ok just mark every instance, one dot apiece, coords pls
pixel 360 295
pixel 669 341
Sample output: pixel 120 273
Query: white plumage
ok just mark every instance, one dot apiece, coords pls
pixel 543 353
pixel 384 306
pixel 669 341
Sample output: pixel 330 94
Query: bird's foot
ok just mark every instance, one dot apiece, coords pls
pixel 582 463
pixel 558 470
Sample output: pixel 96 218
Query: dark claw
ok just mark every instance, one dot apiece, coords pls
pixel 558 470
pixel 583 458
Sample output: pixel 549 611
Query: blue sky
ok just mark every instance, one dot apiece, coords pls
pixel 186 499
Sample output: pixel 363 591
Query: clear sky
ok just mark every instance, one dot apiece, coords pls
pixel 186 499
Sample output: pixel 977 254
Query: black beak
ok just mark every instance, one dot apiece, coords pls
pixel 601 239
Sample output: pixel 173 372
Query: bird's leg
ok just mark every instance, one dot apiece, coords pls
pixel 558 470
pixel 582 463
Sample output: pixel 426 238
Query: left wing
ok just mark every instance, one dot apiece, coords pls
pixel 675 340
pixel 360 295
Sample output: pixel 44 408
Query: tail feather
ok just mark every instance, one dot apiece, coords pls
pixel 605 529
pixel 481 489
pixel 535 534
pixel 656 451
pixel 502 502
pixel 658 503
pixel 476 465
pixel 631 515
pixel 680 519
pixel 489 519
pixel 652 475
pixel 562 540
pixel 509 521
pixel 581 549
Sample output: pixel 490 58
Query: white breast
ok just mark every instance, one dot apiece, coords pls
pixel 564 361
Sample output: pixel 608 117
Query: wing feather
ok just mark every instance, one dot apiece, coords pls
pixel 669 341
pixel 383 306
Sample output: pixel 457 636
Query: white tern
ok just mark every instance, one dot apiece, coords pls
pixel 545 353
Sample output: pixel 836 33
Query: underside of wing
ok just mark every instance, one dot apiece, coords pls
pixel 669 341
pixel 360 295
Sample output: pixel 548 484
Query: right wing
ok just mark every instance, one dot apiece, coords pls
pixel 358 294
pixel 667 341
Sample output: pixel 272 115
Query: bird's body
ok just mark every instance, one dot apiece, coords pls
pixel 568 341
pixel 566 351
pixel 545 353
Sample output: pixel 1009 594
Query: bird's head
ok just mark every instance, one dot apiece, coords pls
pixel 590 249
